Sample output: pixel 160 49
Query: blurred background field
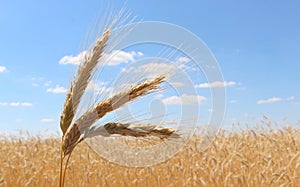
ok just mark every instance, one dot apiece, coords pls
pixel 262 156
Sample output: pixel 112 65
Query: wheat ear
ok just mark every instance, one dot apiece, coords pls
pixel 81 81
pixel 134 130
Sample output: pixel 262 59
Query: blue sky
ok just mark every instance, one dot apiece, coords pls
pixel 256 44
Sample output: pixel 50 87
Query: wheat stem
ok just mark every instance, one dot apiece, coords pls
pixel 61 167
pixel 65 169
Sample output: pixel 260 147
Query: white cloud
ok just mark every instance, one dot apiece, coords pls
pixel 182 64
pixel 58 89
pixel 47 120
pixel 270 100
pixel 35 84
pixel 184 99
pixel 153 68
pixel 115 58
pixel 216 84
pixel 26 104
pixel 275 99
pixel 2 69
pixel 183 67
pixel 75 60
pixel 15 104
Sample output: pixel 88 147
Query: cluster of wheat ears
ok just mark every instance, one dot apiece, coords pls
pixel 76 130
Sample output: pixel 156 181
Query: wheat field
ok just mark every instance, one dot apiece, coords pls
pixel 253 157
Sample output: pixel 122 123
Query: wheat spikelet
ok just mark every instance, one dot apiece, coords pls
pixel 135 130
pixel 68 113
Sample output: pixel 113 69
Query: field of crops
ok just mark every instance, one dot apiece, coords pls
pixel 263 157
